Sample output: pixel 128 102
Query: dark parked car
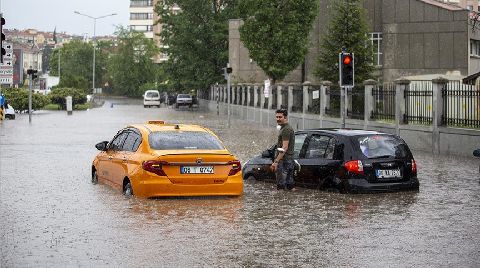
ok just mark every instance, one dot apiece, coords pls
pixel 476 153
pixel 353 161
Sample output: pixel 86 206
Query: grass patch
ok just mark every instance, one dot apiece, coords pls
pixel 82 106
pixel 52 107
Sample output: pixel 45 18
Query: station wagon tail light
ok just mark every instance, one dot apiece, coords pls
pixel 354 166
pixel 154 167
pixel 236 167
pixel 414 166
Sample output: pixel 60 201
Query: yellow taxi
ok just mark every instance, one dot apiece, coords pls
pixel 157 159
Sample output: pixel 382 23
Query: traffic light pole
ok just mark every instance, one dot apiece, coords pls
pixel 30 98
pixel 228 96
pixel 343 103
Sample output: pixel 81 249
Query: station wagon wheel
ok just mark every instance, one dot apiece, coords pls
pixel 94 177
pixel 127 189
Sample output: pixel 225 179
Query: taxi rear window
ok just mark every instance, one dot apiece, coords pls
pixel 383 146
pixel 184 140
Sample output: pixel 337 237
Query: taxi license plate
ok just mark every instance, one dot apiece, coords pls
pixel 196 170
pixel 389 173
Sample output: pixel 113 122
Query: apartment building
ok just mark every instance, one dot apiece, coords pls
pixel 143 19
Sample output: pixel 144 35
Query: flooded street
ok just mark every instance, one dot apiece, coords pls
pixel 51 214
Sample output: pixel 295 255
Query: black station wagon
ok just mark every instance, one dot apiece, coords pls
pixel 353 161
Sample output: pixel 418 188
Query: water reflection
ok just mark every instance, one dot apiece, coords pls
pixel 53 216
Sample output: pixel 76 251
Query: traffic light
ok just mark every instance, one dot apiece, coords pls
pixel 2 37
pixel 33 73
pixel 347 69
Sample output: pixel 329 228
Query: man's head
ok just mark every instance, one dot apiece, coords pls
pixel 281 116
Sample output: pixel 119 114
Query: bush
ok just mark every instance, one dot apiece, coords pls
pixel 18 98
pixel 57 96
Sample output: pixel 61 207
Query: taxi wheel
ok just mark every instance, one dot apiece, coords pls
pixel 127 189
pixel 94 177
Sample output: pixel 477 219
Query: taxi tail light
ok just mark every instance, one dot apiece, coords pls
pixel 354 166
pixel 236 167
pixel 414 167
pixel 154 167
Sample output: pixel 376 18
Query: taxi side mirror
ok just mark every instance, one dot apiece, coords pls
pixel 266 154
pixel 476 153
pixel 101 146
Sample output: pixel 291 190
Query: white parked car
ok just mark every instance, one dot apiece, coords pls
pixel 9 112
pixel 184 100
pixel 151 98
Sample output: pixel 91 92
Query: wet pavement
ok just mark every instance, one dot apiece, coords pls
pixel 51 215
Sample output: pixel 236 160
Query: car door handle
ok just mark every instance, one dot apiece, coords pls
pixel 124 159
pixel 110 158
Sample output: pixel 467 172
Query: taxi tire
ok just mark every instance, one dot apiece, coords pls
pixel 94 177
pixel 127 189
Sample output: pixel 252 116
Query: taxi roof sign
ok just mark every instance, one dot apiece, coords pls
pixel 156 122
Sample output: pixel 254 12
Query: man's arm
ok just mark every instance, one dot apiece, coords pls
pixel 282 153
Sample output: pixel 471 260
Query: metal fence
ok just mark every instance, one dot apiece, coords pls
pixel 384 102
pixel 418 103
pixel 314 107
pixel 461 105
pixel 357 97
pixel 284 93
pixel 334 109
pixel 274 97
pixel 297 104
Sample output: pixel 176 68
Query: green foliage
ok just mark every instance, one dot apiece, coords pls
pixel 348 28
pixel 76 63
pixel 58 95
pixel 195 40
pixel 275 32
pixel 131 65
pixel 18 98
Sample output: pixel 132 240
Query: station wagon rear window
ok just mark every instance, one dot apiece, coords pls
pixel 382 146
pixel 184 140
pixel 152 95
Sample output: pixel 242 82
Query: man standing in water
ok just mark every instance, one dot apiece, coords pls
pixel 283 164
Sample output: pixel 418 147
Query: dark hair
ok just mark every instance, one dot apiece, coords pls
pixel 282 111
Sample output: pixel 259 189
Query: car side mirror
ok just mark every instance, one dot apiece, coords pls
pixel 476 153
pixel 101 146
pixel 266 154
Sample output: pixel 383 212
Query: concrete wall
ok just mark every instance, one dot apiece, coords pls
pixel 452 140
pixel 418 38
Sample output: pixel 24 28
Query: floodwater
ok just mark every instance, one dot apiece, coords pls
pixel 51 215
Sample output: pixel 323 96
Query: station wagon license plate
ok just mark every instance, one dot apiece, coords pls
pixel 196 170
pixel 388 174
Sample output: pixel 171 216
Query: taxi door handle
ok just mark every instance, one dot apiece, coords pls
pixel 124 159
pixel 110 158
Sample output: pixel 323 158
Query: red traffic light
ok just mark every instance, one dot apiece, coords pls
pixel 347 59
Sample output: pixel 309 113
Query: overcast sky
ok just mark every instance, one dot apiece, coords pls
pixel 45 15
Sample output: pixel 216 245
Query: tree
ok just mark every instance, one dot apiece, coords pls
pixel 275 32
pixel 76 63
pixel 18 98
pixel 348 28
pixel 195 40
pixel 131 65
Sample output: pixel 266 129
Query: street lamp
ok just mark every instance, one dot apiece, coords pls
pixel 94 28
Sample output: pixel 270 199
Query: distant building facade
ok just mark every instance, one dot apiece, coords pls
pixel 143 18
pixel 409 37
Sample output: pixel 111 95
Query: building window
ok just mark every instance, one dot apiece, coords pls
pixel 376 39
pixel 469 7
pixel 141 16
pixel 141 3
pixel 142 28
pixel 474 47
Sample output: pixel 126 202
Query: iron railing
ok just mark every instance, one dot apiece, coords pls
pixel 384 102
pixel 357 95
pixel 334 109
pixel 418 103
pixel 461 105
